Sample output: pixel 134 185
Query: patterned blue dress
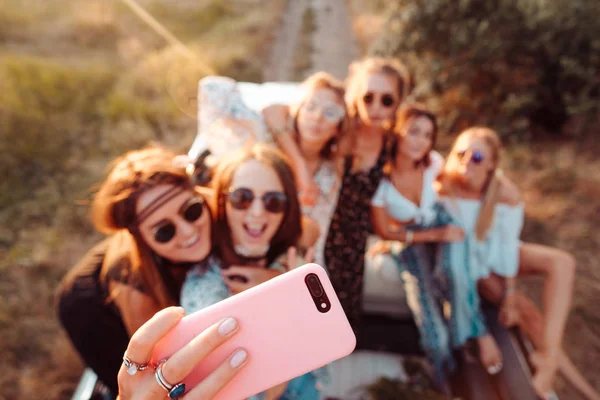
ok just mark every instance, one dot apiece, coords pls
pixel 435 274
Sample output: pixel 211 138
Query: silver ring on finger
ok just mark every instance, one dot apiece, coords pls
pixel 133 367
pixel 173 391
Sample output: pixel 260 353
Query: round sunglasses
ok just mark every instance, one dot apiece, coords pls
pixel 331 111
pixel 476 156
pixel 242 199
pixel 387 100
pixel 191 211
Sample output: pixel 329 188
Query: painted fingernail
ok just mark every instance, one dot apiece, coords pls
pixel 238 358
pixel 180 310
pixel 227 326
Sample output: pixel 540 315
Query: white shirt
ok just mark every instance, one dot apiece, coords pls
pixel 499 252
pixel 404 210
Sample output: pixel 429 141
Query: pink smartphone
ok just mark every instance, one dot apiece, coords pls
pixel 290 325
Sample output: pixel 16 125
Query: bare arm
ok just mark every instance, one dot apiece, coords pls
pixel 310 233
pixel 288 145
pixel 382 229
pixel 136 308
pixel 277 117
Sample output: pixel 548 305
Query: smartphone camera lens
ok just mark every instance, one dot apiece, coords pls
pixel 317 292
pixel 314 285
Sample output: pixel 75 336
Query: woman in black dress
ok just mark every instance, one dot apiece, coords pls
pixel 375 87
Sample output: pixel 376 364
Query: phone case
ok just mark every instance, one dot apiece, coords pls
pixel 281 326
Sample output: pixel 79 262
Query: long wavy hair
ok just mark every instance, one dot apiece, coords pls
pixel 404 116
pixel 337 145
pixel 289 230
pixel 113 212
pixel 493 184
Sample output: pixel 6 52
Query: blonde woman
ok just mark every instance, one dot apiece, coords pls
pixel 375 87
pixel 490 209
pixel 316 130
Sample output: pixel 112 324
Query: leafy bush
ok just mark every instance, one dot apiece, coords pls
pixel 521 66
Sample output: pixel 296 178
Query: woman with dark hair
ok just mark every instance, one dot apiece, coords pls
pixel 257 221
pixel 160 227
pixel 404 213
pixel 245 231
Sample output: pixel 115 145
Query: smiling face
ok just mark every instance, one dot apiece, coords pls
pixel 378 100
pixel 255 207
pixel 471 162
pixel 179 230
pixel 319 117
pixel 416 138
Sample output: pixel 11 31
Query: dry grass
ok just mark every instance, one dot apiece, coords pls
pixel 83 82
pixel 561 185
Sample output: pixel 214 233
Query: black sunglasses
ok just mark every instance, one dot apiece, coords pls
pixel 476 156
pixel 242 198
pixel 387 100
pixel 191 211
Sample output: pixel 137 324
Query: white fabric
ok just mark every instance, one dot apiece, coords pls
pixel 260 95
pixel 402 209
pixel 499 252
pixel 225 121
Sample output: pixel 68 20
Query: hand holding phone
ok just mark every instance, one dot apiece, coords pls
pixel 290 325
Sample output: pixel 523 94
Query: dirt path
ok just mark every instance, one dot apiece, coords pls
pixel 333 42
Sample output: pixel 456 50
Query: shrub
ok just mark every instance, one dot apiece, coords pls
pixel 521 66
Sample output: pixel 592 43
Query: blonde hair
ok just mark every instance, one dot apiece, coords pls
pixel 358 70
pixel 493 185
pixel 337 145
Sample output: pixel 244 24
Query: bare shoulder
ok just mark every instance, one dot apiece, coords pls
pixel 509 192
